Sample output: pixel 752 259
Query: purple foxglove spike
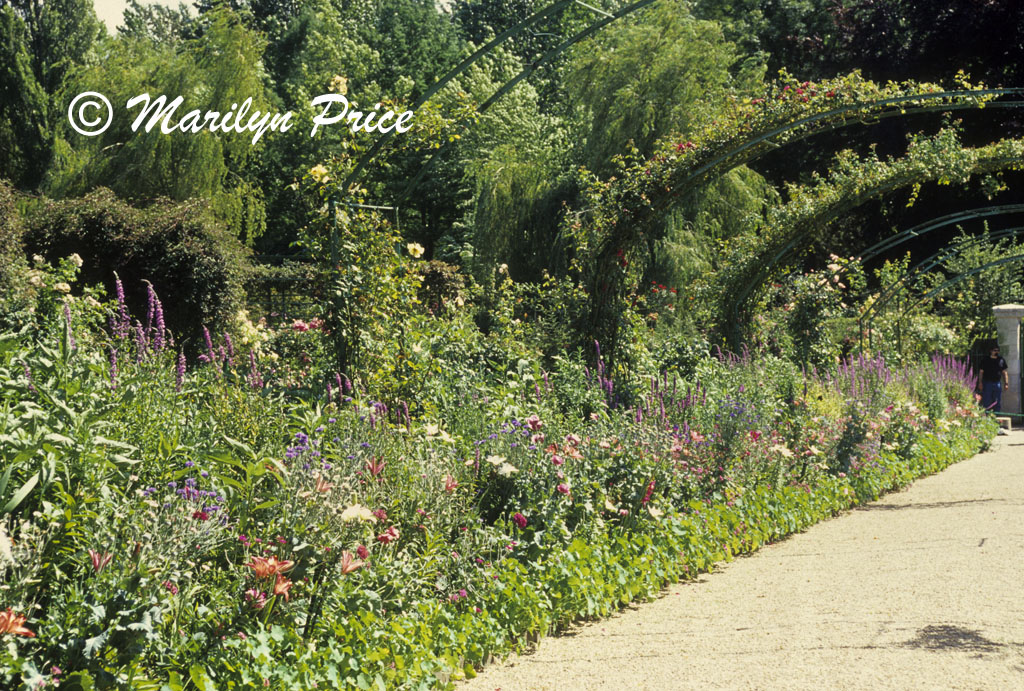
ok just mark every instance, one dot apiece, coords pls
pixel 211 356
pixel 179 374
pixel 28 377
pixel 159 328
pixel 123 323
pixel 140 342
pixel 150 307
pixel 231 348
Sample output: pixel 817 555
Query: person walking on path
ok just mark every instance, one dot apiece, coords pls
pixel 994 380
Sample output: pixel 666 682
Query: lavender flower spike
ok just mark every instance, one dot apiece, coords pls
pixel 179 374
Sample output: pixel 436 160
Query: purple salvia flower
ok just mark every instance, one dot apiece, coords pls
pixel 179 372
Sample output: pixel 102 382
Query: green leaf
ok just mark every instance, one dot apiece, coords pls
pixel 20 495
pixel 200 678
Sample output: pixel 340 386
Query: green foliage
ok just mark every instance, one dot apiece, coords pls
pixel 176 247
pixel 211 72
pixel 966 306
pixel 24 125
pixel 13 267
pixel 650 76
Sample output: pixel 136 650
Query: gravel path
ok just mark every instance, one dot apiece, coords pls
pixel 920 589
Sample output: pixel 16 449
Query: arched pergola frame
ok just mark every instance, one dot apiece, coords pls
pixel 1003 155
pixel 874 308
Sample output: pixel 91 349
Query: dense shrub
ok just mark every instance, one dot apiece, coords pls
pixel 176 246
pixel 12 255
pixel 440 283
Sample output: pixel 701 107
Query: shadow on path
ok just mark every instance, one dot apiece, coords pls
pixel 941 637
pixel 923 505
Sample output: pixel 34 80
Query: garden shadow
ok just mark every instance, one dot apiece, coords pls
pixel 928 505
pixel 944 637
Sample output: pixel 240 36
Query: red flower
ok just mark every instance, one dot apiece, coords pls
pixel 14 623
pixel 450 484
pixel 201 516
pixel 389 535
pixel 269 566
pixel 519 519
pixel 649 492
pixel 376 466
pixel 282 585
pixel 362 552
pixel 99 561
pixel 563 488
pixel 348 564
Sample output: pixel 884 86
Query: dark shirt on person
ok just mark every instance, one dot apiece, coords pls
pixel 992 368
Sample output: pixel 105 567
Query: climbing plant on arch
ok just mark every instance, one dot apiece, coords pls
pixel 622 215
pixel 851 182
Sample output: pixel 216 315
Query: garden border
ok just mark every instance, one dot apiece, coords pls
pixel 439 645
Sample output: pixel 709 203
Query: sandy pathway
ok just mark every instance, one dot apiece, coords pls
pixel 922 589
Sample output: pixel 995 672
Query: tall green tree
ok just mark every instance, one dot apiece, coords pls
pixel 40 43
pixel 219 68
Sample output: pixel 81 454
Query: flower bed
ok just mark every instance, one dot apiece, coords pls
pixel 177 524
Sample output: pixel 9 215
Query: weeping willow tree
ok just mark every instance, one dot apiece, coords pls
pixel 649 75
pixel 221 67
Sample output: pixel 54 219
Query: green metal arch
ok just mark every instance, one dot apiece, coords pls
pixel 930 225
pixel 960 277
pixel 766 137
pixel 995 163
pixel 934 260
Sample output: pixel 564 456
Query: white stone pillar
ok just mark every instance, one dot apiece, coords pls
pixel 1008 324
